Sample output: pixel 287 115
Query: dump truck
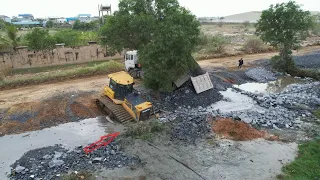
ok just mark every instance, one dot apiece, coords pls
pixel 121 102
pixel 200 79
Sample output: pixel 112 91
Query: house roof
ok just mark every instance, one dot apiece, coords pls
pixel 25 15
pixel 27 23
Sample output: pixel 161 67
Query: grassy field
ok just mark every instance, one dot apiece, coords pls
pixel 307 164
pixel 54 68
pixel 58 73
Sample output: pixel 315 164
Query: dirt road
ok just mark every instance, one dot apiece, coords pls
pixel 38 92
pixel 232 62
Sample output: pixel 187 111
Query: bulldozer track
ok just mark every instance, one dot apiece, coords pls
pixel 114 111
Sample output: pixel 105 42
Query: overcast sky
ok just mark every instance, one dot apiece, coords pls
pixel 70 8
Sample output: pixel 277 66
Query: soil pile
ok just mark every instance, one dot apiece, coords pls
pixel 237 130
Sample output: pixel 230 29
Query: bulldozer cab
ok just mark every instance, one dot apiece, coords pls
pixel 121 84
pixel 137 107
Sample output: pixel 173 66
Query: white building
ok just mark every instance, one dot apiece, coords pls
pixel 5 18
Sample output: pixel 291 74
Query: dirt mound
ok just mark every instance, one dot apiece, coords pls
pixel 59 109
pixel 238 130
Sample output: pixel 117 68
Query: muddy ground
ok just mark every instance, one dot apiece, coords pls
pixel 210 154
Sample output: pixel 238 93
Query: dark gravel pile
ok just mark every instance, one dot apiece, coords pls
pixel 186 97
pixel 51 162
pixel 261 75
pixel 308 61
pixel 189 129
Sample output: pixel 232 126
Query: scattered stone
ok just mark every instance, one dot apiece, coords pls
pixel 55 163
pixel 97 160
pixel 261 75
pixel 72 161
pixel 19 169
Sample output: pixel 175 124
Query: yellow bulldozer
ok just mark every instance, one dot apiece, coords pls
pixel 121 102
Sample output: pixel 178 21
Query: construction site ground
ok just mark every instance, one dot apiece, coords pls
pixel 260 155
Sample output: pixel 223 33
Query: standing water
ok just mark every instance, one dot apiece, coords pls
pixel 270 87
pixel 69 135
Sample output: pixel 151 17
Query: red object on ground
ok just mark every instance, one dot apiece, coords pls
pixel 104 141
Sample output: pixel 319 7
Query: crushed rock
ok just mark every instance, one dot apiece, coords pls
pixel 50 162
pixel 261 75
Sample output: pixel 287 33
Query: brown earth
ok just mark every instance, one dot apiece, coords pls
pixel 238 130
pixel 59 109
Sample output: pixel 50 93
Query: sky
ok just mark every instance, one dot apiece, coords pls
pixel 201 8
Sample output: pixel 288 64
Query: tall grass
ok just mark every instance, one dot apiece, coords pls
pixel 103 68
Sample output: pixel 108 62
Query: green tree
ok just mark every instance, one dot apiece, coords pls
pixel 40 39
pixel 77 25
pixel 163 32
pixel 246 24
pixel 49 24
pixel 68 37
pixel 283 26
pixel 11 39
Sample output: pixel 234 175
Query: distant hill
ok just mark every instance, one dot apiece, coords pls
pixel 252 17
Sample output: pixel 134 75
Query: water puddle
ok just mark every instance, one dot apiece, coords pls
pixel 233 101
pixel 70 135
pixel 270 87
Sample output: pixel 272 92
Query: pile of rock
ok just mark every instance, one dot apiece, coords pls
pixel 189 129
pixel 281 110
pixel 308 61
pixel 51 162
pixel 185 97
pixel 261 75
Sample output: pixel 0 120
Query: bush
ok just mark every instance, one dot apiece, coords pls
pixel 217 44
pixel 40 39
pixel 316 29
pixel 317 113
pixel 79 176
pixel 4 71
pixel 68 37
pixel 254 45
pixel 280 65
pixel 144 130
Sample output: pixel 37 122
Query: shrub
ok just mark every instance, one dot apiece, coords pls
pixel 4 71
pixel 68 37
pixel 246 24
pixel 217 44
pixel 145 130
pixel 254 45
pixel 317 113
pixel 316 29
pixel 79 176
pixel 280 65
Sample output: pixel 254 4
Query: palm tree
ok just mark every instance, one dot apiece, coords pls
pixel 10 39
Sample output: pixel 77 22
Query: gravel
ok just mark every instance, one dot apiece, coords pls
pixel 281 110
pixel 311 60
pixel 188 129
pixel 261 75
pixel 185 97
pixel 51 162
